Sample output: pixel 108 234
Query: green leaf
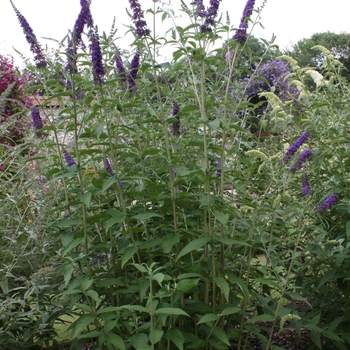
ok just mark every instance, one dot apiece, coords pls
pixel 241 284
pixel 80 324
pixel 224 286
pixel 86 198
pixel 94 296
pixel 230 241
pixel 117 218
pixel 186 284
pixel 116 341
pixel 193 245
pixel 69 222
pixel 67 273
pixel 108 183
pixel 138 340
pixel 141 268
pixel 221 336
pixel 145 216
pixel 90 335
pixel 136 308
pixel 330 335
pixel 128 254
pixel 348 230
pixel 170 239
pixel 208 318
pixel 327 276
pixel 156 336
pixel 171 311
pixel 110 309
pixel 231 311
pixel 72 245
pixel 176 336
pixel 214 124
pixel 223 218
pixel 261 318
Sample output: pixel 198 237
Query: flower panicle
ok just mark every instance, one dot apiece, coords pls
pixel 294 148
pixel 109 167
pixel 176 125
pixel 218 164
pixel 35 48
pixel 69 159
pixel 208 16
pixel 120 68
pixel 305 185
pixel 241 33
pixel 138 19
pixel 304 156
pixel 327 203
pixel 36 118
pixel 96 58
pixel 133 70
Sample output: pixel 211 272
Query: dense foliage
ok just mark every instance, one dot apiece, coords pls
pixel 152 217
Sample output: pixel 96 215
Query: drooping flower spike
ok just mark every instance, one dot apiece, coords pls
pixel 327 203
pixel 304 156
pixel 294 148
pixel 218 164
pixel 241 33
pixel 35 48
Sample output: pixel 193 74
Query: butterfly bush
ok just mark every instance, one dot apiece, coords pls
pixel 98 71
pixel 304 156
pixel 133 70
pixel 241 33
pixel 294 148
pixel 69 159
pixel 37 122
pixel 305 185
pixel 120 68
pixel 209 15
pixel 109 167
pixel 327 203
pixel 138 19
pixel 176 125
pixel 35 48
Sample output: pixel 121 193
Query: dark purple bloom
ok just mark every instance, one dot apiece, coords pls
pixel 218 164
pixel 294 148
pixel 138 19
pixel 132 75
pixel 31 39
pixel 69 159
pixel 84 17
pixel 37 122
pixel 176 125
pixel 301 160
pixel 200 8
pixel 241 33
pixel 327 203
pixel 98 71
pixel 120 68
pixel 208 15
pixel 109 167
pixel 306 185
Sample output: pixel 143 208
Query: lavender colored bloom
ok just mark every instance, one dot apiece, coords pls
pixel 120 68
pixel 294 148
pixel 218 164
pixel 327 203
pixel 132 75
pixel 138 19
pixel 69 159
pixel 37 122
pixel 31 39
pixel 176 125
pixel 84 18
pixel 306 185
pixel 241 33
pixel 301 160
pixel 96 58
pixel 208 15
pixel 109 167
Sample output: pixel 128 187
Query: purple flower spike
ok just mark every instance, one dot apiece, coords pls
pixel 69 159
pixel 306 185
pixel 109 167
pixel 241 33
pixel 200 8
pixel 37 122
pixel 327 203
pixel 294 148
pixel 138 19
pixel 132 75
pixel 218 164
pixel 120 68
pixel 176 125
pixel 31 39
pixel 301 160
pixel 96 58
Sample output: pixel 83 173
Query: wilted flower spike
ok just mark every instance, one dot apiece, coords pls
pixel 327 203
pixel 96 58
pixel 241 33
pixel 176 125
pixel 37 122
pixel 31 39
pixel 69 159
pixel 306 185
pixel 301 160
pixel 294 148
pixel 137 17
pixel 109 167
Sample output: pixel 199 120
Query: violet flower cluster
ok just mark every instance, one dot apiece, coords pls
pixel 37 122
pixel 209 16
pixel 39 57
pixel 69 159
pixel 327 203
pixel 241 33
pixel 84 18
pixel 304 156
pixel 294 148
pixel 305 185
pixel 133 70
pixel 138 19
pixel 98 71
pixel 109 167
pixel 218 164
pixel 176 125
pixel 120 68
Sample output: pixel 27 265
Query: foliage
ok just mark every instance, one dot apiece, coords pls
pixel 167 224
